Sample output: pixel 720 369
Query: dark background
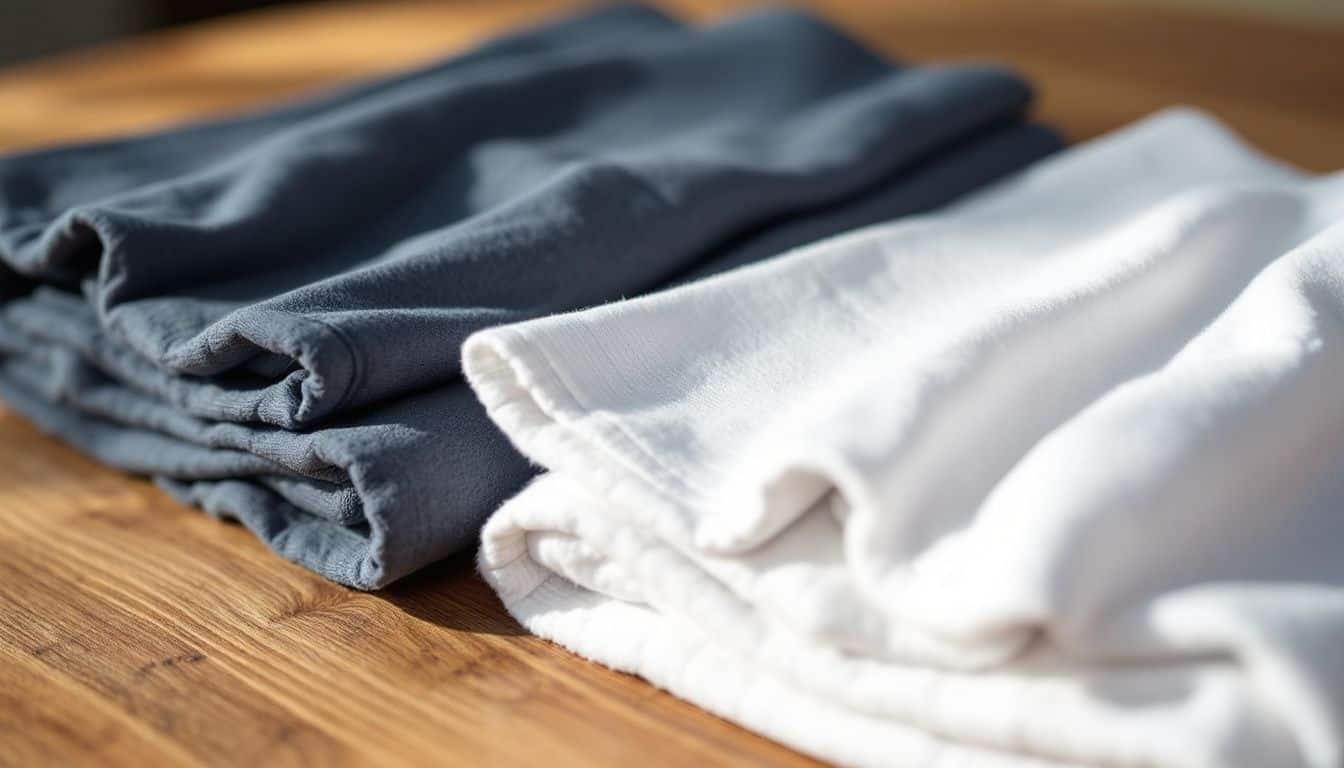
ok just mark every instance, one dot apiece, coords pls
pixel 30 28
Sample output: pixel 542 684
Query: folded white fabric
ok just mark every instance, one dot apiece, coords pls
pixel 1051 477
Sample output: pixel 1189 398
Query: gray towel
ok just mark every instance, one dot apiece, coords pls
pixel 265 313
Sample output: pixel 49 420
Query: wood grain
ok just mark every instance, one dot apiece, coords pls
pixel 138 632
pixel 134 631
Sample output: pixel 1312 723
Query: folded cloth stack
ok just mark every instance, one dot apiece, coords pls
pixel 1053 476
pixel 265 313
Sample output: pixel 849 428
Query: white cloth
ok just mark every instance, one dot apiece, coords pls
pixel 1051 477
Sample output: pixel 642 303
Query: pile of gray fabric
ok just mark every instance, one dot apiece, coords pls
pixel 265 313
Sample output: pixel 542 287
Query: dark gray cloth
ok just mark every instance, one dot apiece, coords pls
pixel 265 312
pixel 337 258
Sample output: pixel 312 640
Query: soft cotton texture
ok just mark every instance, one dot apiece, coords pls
pixel 1052 477
pixel 331 256
pixel 265 312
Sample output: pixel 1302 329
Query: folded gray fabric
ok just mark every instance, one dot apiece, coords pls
pixel 265 313
pixel 341 257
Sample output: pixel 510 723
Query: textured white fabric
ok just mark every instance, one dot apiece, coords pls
pixel 1050 477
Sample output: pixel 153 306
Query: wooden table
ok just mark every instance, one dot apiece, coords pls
pixel 136 631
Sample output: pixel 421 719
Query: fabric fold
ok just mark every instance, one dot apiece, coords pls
pixel 265 312
pixel 336 257
pixel 1047 477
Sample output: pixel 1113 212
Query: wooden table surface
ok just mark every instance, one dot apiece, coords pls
pixel 136 631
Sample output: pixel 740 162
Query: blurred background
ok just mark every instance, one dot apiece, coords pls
pixel 32 28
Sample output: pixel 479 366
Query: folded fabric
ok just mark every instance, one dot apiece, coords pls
pixel 341 256
pixel 1050 477
pixel 265 313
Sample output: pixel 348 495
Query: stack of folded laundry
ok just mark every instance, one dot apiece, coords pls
pixel 926 444
pixel 266 313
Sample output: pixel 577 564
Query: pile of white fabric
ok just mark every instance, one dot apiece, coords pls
pixel 1054 476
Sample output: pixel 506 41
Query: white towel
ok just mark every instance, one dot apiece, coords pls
pixel 1055 476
